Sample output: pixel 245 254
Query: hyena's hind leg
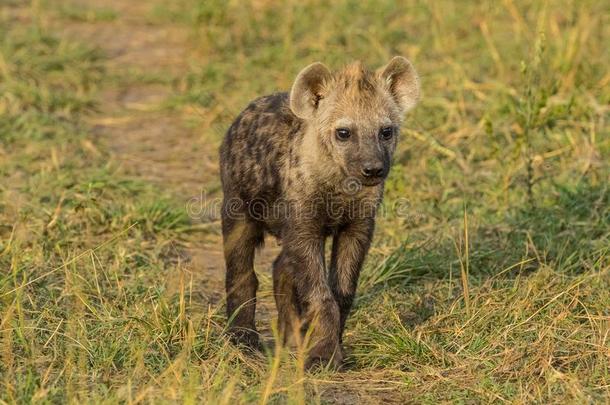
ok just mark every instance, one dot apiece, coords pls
pixel 241 237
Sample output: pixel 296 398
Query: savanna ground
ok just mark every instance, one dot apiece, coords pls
pixel 491 285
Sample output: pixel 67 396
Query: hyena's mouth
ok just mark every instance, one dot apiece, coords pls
pixel 352 185
pixel 372 182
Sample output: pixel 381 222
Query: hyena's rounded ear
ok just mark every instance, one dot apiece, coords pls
pixel 403 82
pixel 306 90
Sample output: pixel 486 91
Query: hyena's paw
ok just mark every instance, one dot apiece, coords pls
pixel 245 338
pixel 325 356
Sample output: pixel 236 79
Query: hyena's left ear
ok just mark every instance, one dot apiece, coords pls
pixel 402 81
pixel 307 88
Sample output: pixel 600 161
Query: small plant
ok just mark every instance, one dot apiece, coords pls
pixel 535 114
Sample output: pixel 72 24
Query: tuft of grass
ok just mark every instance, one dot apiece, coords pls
pixel 519 336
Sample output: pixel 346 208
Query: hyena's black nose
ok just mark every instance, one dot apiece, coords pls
pixel 372 170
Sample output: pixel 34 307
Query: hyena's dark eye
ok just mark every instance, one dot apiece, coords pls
pixel 386 133
pixel 342 134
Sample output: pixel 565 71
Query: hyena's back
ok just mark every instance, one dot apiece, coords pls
pixel 256 148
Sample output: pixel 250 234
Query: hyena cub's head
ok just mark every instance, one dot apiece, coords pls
pixel 354 115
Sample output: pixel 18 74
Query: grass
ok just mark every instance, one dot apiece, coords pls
pixel 489 278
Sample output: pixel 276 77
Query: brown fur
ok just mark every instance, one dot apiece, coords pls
pixel 286 172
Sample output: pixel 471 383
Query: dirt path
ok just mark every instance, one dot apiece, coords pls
pixel 155 145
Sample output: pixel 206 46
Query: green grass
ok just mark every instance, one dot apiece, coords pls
pixel 489 278
pixel 84 14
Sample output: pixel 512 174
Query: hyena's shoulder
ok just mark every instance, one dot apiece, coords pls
pixel 263 126
pixel 259 142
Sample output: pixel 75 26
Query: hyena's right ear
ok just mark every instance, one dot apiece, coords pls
pixel 306 90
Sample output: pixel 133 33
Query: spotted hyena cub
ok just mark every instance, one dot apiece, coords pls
pixel 303 167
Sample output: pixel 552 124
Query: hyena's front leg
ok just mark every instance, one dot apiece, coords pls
pixel 240 238
pixel 304 255
pixel 286 300
pixel 350 246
